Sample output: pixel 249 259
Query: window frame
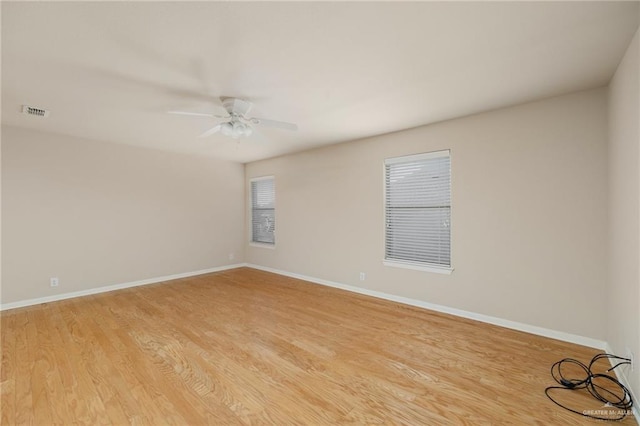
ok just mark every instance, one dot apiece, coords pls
pixel 411 264
pixel 252 242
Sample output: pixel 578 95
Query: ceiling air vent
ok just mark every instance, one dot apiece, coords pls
pixel 38 112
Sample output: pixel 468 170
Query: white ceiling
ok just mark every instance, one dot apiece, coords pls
pixel 341 71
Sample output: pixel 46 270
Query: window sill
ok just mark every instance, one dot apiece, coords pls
pixel 262 245
pixel 418 267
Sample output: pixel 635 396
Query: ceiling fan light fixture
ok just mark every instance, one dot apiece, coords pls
pixel 236 129
pixel 226 129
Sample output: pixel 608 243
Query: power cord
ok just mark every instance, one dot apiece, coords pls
pixel 617 400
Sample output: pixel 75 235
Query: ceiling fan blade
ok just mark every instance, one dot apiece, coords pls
pixel 273 123
pixel 211 131
pixel 197 114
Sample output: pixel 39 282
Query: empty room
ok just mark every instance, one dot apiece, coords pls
pixel 320 213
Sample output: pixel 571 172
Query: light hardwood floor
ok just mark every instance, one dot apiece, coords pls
pixel 250 347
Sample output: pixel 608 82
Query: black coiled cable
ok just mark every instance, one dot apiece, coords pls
pixel 619 403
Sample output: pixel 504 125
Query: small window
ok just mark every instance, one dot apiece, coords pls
pixel 418 211
pixel 263 210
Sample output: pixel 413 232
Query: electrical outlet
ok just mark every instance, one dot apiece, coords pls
pixel 629 355
pixel 363 276
pixel 53 282
pixel 232 256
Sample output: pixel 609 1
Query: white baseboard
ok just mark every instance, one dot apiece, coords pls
pixel 622 378
pixel 540 331
pixel 56 297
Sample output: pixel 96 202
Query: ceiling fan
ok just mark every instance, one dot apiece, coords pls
pixel 237 124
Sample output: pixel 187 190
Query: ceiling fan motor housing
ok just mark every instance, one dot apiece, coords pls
pixel 235 106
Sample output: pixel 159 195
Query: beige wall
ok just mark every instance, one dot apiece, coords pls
pixel 623 325
pixel 96 214
pixel 528 218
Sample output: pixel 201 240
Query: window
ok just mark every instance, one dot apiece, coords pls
pixel 418 211
pixel 263 211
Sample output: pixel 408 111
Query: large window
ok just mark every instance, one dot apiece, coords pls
pixel 263 210
pixel 418 211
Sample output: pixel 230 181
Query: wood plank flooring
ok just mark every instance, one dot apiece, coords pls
pixel 250 347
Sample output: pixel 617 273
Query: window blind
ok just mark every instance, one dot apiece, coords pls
pixel 263 212
pixel 418 209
